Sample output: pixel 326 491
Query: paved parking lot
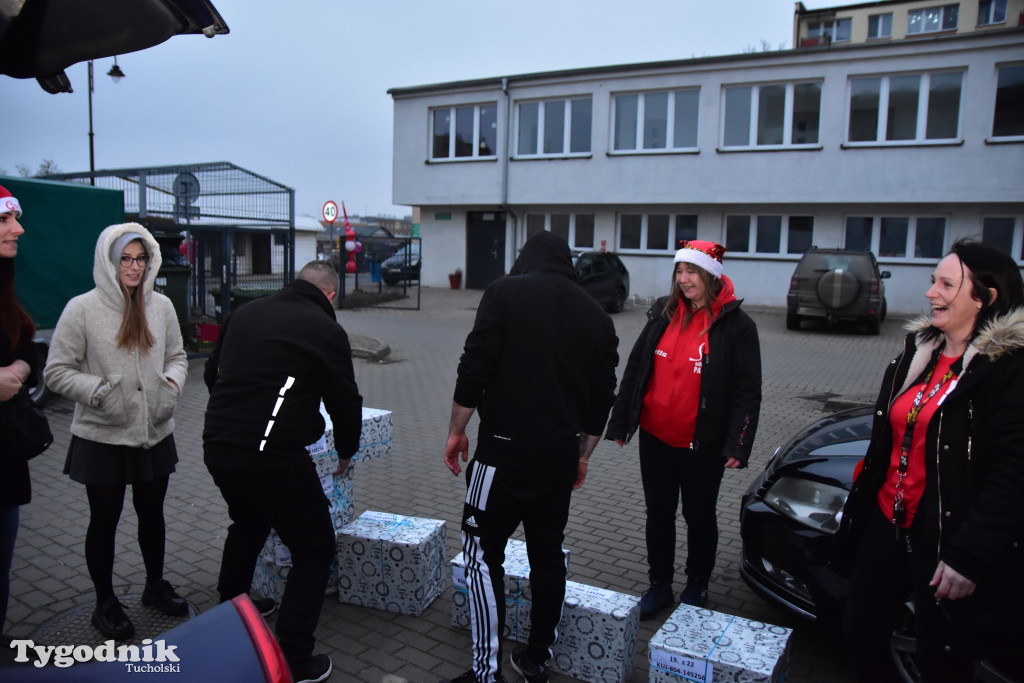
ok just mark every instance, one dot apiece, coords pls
pixel 415 380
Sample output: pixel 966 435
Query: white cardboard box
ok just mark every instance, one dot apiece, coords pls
pixel 597 636
pixel 708 647
pixel 518 597
pixel 391 562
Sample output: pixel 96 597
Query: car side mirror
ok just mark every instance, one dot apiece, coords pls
pixel 885 274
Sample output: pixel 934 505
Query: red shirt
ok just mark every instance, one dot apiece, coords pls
pixel 914 479
pixel 670 404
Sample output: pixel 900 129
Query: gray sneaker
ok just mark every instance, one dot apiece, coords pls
pixel 528 667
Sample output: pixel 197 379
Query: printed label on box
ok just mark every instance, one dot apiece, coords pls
pixel 690 669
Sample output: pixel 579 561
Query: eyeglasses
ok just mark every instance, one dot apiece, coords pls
pixel 140 261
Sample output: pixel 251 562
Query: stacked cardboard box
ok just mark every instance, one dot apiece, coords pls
pixel 705 646
pixel 391 562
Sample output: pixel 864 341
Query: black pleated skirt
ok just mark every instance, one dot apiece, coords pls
pixel 95 464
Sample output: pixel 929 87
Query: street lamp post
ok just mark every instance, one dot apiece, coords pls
pixel 116 75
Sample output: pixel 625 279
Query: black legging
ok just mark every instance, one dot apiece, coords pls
pixel 105 504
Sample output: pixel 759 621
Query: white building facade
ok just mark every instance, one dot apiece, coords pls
pixel 900 148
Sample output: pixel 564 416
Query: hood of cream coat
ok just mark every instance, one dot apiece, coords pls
pixel 105 273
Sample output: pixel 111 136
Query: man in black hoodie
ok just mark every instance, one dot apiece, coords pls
pixel 276 358
pixel 539 365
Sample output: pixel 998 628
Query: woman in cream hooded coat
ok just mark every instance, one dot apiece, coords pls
pixel 117 352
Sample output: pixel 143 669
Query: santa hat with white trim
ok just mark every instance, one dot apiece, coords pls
pixel 703 254
pixel 8 204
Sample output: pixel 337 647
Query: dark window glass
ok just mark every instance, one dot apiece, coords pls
pixel 944 106
pixel 904 92
pixel 892 240
pixel 464 132
pixel 801 231
pixel 534 223
pixel 998 231
pixel 737 233
pixel 442 123
pixel 858 232
pixel 806 111
pixel 655 120
pixel 585 230
pixel 864 101
pixel 737 117
pixel 1009 116
pixel 629 231
pixel 625 121
pixel 930 237
pixel 560 225
pixel 488 131
pixel 769 234
pixel 580 133
pixel 685 133
pixel 771 114
pixel 657 231
pixel 554 127
pixel 686 229
pixel 528 127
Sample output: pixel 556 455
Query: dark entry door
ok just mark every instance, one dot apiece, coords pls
pixel 485 248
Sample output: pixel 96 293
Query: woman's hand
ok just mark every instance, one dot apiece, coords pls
pixel 952 585
pixel 620 442
pixel 732 463
pixel 10 383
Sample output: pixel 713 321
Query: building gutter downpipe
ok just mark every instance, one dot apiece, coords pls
pixel 505 160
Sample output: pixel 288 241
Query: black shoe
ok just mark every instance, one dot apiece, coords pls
pixel 527 665
pixel 159 594
pixel 470 677
pixel 658 597
pixel 695 593
pixel 110 620
pixel 266 606
pixel 315 668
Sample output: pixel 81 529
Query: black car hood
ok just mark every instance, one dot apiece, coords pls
pixel 827 450
pixel 41 38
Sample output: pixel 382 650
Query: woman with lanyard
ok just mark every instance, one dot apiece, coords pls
pixel 937 512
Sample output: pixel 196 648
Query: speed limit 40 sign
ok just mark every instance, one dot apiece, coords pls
pixel 330 211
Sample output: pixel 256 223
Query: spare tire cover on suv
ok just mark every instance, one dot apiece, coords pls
pixel 838 288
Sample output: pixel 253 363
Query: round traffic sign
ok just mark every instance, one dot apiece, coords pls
pixel 330 211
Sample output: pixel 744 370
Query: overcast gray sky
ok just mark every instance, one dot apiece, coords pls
pixel 297 92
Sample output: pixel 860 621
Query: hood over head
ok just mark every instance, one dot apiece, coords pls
pixel 106 266
pixel 545 252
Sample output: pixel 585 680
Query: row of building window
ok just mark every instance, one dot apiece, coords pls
pixel 896 109
pixel 921 237
pixel 919 21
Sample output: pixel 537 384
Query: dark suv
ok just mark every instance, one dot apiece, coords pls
pixel 604 276
pixel 837 284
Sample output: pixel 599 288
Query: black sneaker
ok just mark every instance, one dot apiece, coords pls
pixel 110 620
pixel 470 677
pixel 161 595
pixel 266 606
pixel 658 597
pixel 695 593
pixel 528 667
pixel 316 668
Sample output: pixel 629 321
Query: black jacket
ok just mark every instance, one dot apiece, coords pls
pixel 290 334
pixel 730 384
pixel 15 484
pixel 540 361
pixel 972 512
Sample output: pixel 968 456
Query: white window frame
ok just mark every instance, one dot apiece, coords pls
pixel 755 103
pixel 670 127
pixel 670 249
pixel 908 247
pixel 881 26
pixel 567 128
pixel 921 127
pixel 572 227
pixel 451 133
pixel 752 237
pixel 993 5
pixel 942 19
pixel 995 95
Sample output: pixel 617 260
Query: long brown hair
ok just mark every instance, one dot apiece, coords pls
pixel 712 288
pixel 134 332
pixel 14 321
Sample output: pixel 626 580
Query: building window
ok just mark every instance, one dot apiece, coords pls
pixel 880 26
pixel 898 236
pixel 656 232
pixel 998 231
pixel 991 12
pixel 905 108
pixel 553 127
pixel 468 132
pixel 932 19
pixel 836 31
pixel 768 234
pixel 777 115
pixel 1009 115
pixel 655 121
pixel 575 228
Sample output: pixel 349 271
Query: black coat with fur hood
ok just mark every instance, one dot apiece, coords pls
pixel 972 510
